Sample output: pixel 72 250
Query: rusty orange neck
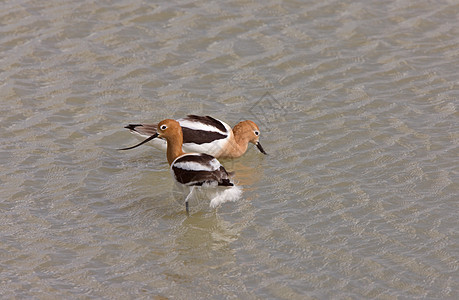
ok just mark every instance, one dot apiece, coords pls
pixel 174 146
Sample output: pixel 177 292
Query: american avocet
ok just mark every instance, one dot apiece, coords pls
pixel 194 169
pixel 206 135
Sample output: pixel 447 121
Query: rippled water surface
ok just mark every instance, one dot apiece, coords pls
pixel 357 103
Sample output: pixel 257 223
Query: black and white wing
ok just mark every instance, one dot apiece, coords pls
pixel 198 169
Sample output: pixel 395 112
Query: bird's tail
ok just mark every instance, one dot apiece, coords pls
pixel 232 193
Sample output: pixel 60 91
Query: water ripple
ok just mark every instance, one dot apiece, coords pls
pixel 356 196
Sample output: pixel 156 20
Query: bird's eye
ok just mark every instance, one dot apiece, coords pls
pixel 256 132
pixel 163 127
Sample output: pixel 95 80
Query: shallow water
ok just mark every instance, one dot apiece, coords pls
pixel 357 105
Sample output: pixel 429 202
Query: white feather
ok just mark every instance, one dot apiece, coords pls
pixel 232 193
pixel 196 125
pixel 214 148
pixel 195 166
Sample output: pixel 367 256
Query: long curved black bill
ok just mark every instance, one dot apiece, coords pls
pixel 261 148
pixel 141 143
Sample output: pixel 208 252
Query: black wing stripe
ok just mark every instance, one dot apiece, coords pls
pixel 208 120
pixel 200 136
pixel 199 177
